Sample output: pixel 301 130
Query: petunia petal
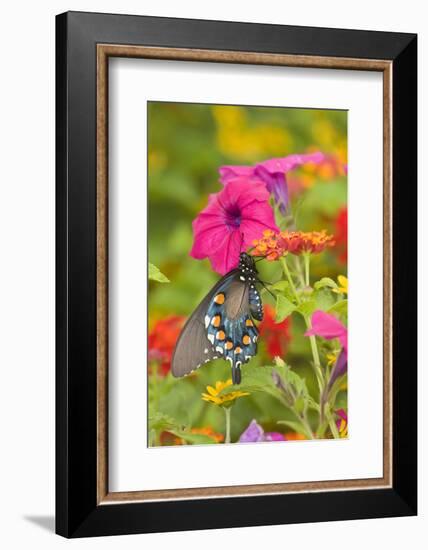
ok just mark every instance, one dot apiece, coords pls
pixel 208 237
pixel 226 256
pixel 340 367
pixel 238 193
pixel 229 223
pixel 253 434
pixel 276 183
pixel 328 326
pixel 285 164
pixel 275 436
pixel 228 173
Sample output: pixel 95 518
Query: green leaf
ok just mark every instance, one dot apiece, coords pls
pixel 194 439
pixel 284 308
pixel 257 379
pixel 300 404
pixel 292 378
pixel 307 308
pixel 340 307
pixel 312 404
pixel 161 422
pixel 280 285
pixel 156 275
pixel 325 282
pixel 324 299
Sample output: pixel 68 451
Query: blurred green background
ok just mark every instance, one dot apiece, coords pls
pixel 187 143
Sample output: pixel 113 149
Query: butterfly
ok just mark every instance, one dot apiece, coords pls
pixel 222 326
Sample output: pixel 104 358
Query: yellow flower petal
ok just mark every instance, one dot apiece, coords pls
pixel 218 385
pixel 211 390
pixel 343 289
pixel 331 358
pixel 343 281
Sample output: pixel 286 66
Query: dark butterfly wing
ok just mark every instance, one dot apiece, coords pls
pixel 193 347
pixel 229 324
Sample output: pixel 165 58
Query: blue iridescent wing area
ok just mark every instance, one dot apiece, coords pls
pixel 229 323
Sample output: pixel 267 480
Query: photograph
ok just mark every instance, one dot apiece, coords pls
pixel 247 277
pixel 213 256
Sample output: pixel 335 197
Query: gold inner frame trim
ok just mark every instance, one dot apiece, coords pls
pixel 104 51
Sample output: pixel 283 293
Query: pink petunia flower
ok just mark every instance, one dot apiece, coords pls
pixel 329 327
pixel 273 172
pixel 234 217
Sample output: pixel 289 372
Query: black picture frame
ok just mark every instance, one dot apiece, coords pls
pixel 78 513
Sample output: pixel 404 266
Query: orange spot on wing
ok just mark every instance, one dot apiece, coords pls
pixel 219 299
pixel 216 321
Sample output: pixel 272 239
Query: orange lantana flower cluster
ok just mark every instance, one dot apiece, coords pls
pixel 274 245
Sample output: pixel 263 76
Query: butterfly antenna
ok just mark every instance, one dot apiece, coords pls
pixel 270 292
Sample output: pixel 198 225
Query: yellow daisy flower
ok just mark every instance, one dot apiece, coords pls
pixel 343 282
pixel 214 396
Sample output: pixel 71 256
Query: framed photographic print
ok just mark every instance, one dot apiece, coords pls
pixel 236 241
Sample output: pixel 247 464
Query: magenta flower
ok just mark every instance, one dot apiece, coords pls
pixel 272 172
pixel 234 217
pixel 254 433
pixel 342 423
pixel 329 327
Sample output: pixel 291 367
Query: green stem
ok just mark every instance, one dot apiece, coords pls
pixel 333 428
pixel 289 278
pixel 316 359
pixel 307 260
pixel 304 420
pixel 298 271
pixel 227 411
pixel 312 339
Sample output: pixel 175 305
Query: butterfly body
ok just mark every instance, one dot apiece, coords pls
pixel 222 326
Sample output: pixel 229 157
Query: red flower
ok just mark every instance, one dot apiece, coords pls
pixel 342 235
pixel 276 335
pixel 162 340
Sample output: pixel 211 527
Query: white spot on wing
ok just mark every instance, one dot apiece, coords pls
pixel 211 338
pixel 207 321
